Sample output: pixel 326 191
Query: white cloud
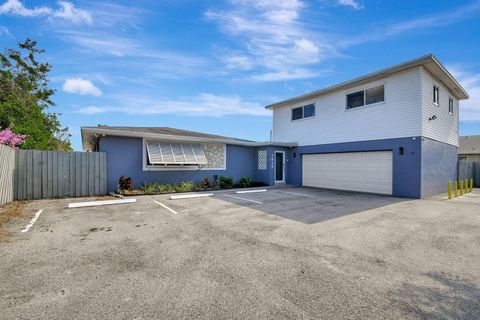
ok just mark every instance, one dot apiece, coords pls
pixel 469 109
pixel 207 105
pixel 137 54
pixel 273 37
pixel 4 31
pixel 67 11
pixel 435 20
pixel 350 3
pixel 238 62
pixel 284 75
pixel 15 7
pixel 81 86
pixel 94 110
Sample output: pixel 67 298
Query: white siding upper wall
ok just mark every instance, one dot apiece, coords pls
pixel 445 127
pixel 399 116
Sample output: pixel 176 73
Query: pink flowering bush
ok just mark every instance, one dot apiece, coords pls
pixel 7 137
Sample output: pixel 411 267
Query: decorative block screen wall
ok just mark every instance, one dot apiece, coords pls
pixel 262 160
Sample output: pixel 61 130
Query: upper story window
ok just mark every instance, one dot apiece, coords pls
pixel 303 112
pixel 436 94
pixel 366 97
pixel 450 106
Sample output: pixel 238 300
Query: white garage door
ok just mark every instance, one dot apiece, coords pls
pixel 355 171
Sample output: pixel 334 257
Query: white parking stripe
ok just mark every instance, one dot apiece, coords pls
pixel 161 204
pixel 297 194
pixel 33 221
pixel 227 195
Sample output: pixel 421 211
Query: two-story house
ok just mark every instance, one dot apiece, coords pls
pixel 393 132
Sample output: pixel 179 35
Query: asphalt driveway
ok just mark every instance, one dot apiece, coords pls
pixel 287 253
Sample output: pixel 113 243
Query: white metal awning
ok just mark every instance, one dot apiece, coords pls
pixel 165 153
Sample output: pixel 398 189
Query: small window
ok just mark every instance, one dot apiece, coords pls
pixel 436 92
pixel 375 95
pixel 450 106
pixel 355 99
pixel 309 111
pixel 297 113
pixel 303 112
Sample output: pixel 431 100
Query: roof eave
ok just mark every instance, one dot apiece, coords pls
pixel 86 131
pixel 372 76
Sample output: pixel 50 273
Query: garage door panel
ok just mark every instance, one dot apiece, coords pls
pixel 356 171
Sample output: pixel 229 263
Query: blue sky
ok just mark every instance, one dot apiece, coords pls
pixel 212 66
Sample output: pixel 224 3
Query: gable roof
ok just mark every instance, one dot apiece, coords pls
pixel 469 145
pixel 165 133
pixel 429 62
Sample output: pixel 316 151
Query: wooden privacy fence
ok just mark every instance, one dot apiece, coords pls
pixel 53 174
pixel 7 166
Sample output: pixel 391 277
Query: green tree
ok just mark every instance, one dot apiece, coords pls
pixel 25 98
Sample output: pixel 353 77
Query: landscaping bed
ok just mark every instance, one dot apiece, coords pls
pixel 125 186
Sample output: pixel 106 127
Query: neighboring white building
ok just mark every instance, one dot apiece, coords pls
pixel 394 131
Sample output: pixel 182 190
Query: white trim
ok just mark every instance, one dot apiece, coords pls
pixel 428 61
pixel 437 103
pixel 303 112
pixel 275 166
pixel 176 138
pixel 453 105
pixel 365 88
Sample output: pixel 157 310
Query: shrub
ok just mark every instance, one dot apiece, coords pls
pixel 7 137
pixel 149 190
pixel 155 187
pixel 165 188
pixel 125 183
pixel 205 183
pixel 185 187
pixel 245 182
pixel 226 182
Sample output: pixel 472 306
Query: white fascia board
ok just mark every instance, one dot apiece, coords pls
pixel 165 137
pixel 448 79
pixel 173 138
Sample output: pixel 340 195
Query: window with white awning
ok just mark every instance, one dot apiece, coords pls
pixel 175 154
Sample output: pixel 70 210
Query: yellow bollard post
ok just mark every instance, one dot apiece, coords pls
pixel 471 185
pixel 461 187
pixel 456 188
pixel 449 189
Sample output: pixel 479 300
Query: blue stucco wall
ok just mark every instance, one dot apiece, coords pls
pixel 406 167
pixel 439 165
pixel 268 176
pixel 124 157
pixel 423 170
